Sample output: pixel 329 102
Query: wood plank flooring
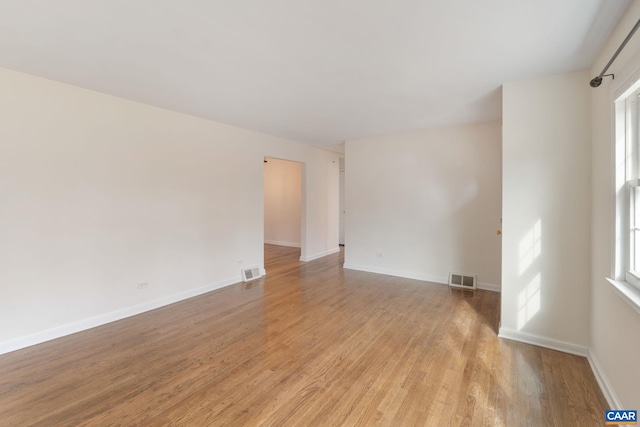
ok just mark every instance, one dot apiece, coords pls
pixel 310 344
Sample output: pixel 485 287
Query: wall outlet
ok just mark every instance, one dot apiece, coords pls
pixel 240 262
pixel 379 255
pixel 143 285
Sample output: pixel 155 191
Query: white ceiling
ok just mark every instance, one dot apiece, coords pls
pixel 318 72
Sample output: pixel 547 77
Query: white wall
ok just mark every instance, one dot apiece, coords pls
pixel 615 326
pixel 424 204
pixel 100 193
pixel 546 211
pixel 282 202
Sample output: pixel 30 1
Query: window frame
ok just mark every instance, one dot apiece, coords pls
pixel 626 178
pixel 632 183
pixel 632 273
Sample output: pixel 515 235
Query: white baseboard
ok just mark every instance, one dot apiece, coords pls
pixel 566 347
pixel 319 255
pixel 489 287
pixel 397 273
pixel 92 322
pixel 409 275
pixel 278 243
pixel 603 382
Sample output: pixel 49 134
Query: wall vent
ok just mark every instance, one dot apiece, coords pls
pixel 461 280
pixel 250 274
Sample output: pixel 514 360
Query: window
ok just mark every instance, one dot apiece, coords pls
pixel 632 189
pixel 626 272
pixel 628 187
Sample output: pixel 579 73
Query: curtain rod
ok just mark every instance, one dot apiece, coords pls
pixel 597 81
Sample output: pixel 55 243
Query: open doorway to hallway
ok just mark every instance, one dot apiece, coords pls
pixel 283 203
pixel 341 203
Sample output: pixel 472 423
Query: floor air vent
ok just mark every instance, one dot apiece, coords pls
pixel 250 274
pixel 460 280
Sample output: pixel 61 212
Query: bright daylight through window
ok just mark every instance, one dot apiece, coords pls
pixel 628 180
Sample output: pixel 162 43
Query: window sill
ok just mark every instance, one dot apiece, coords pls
pixel 629 293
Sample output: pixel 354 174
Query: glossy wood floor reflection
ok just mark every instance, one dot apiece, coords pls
pixel 310 344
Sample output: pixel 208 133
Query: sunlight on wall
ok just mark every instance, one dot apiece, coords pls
pixel 529 298
pixel 529 301
pixel 530 248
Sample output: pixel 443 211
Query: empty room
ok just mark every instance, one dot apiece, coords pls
pixel 319 213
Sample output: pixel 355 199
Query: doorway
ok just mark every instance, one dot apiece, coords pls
pixel 283 202
pixel 341 206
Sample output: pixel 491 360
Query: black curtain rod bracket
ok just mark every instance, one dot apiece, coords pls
pixel 597 81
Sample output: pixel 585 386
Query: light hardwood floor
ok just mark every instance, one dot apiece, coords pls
pixel 310 344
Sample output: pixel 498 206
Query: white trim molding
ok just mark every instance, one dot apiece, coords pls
pixel 629 293
pixel 553 344
pixel 603 382
pixel 103 319
pixel 319 255
pixel 279 243
pixel 397 273
pixel 489 287
pixel 423 277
